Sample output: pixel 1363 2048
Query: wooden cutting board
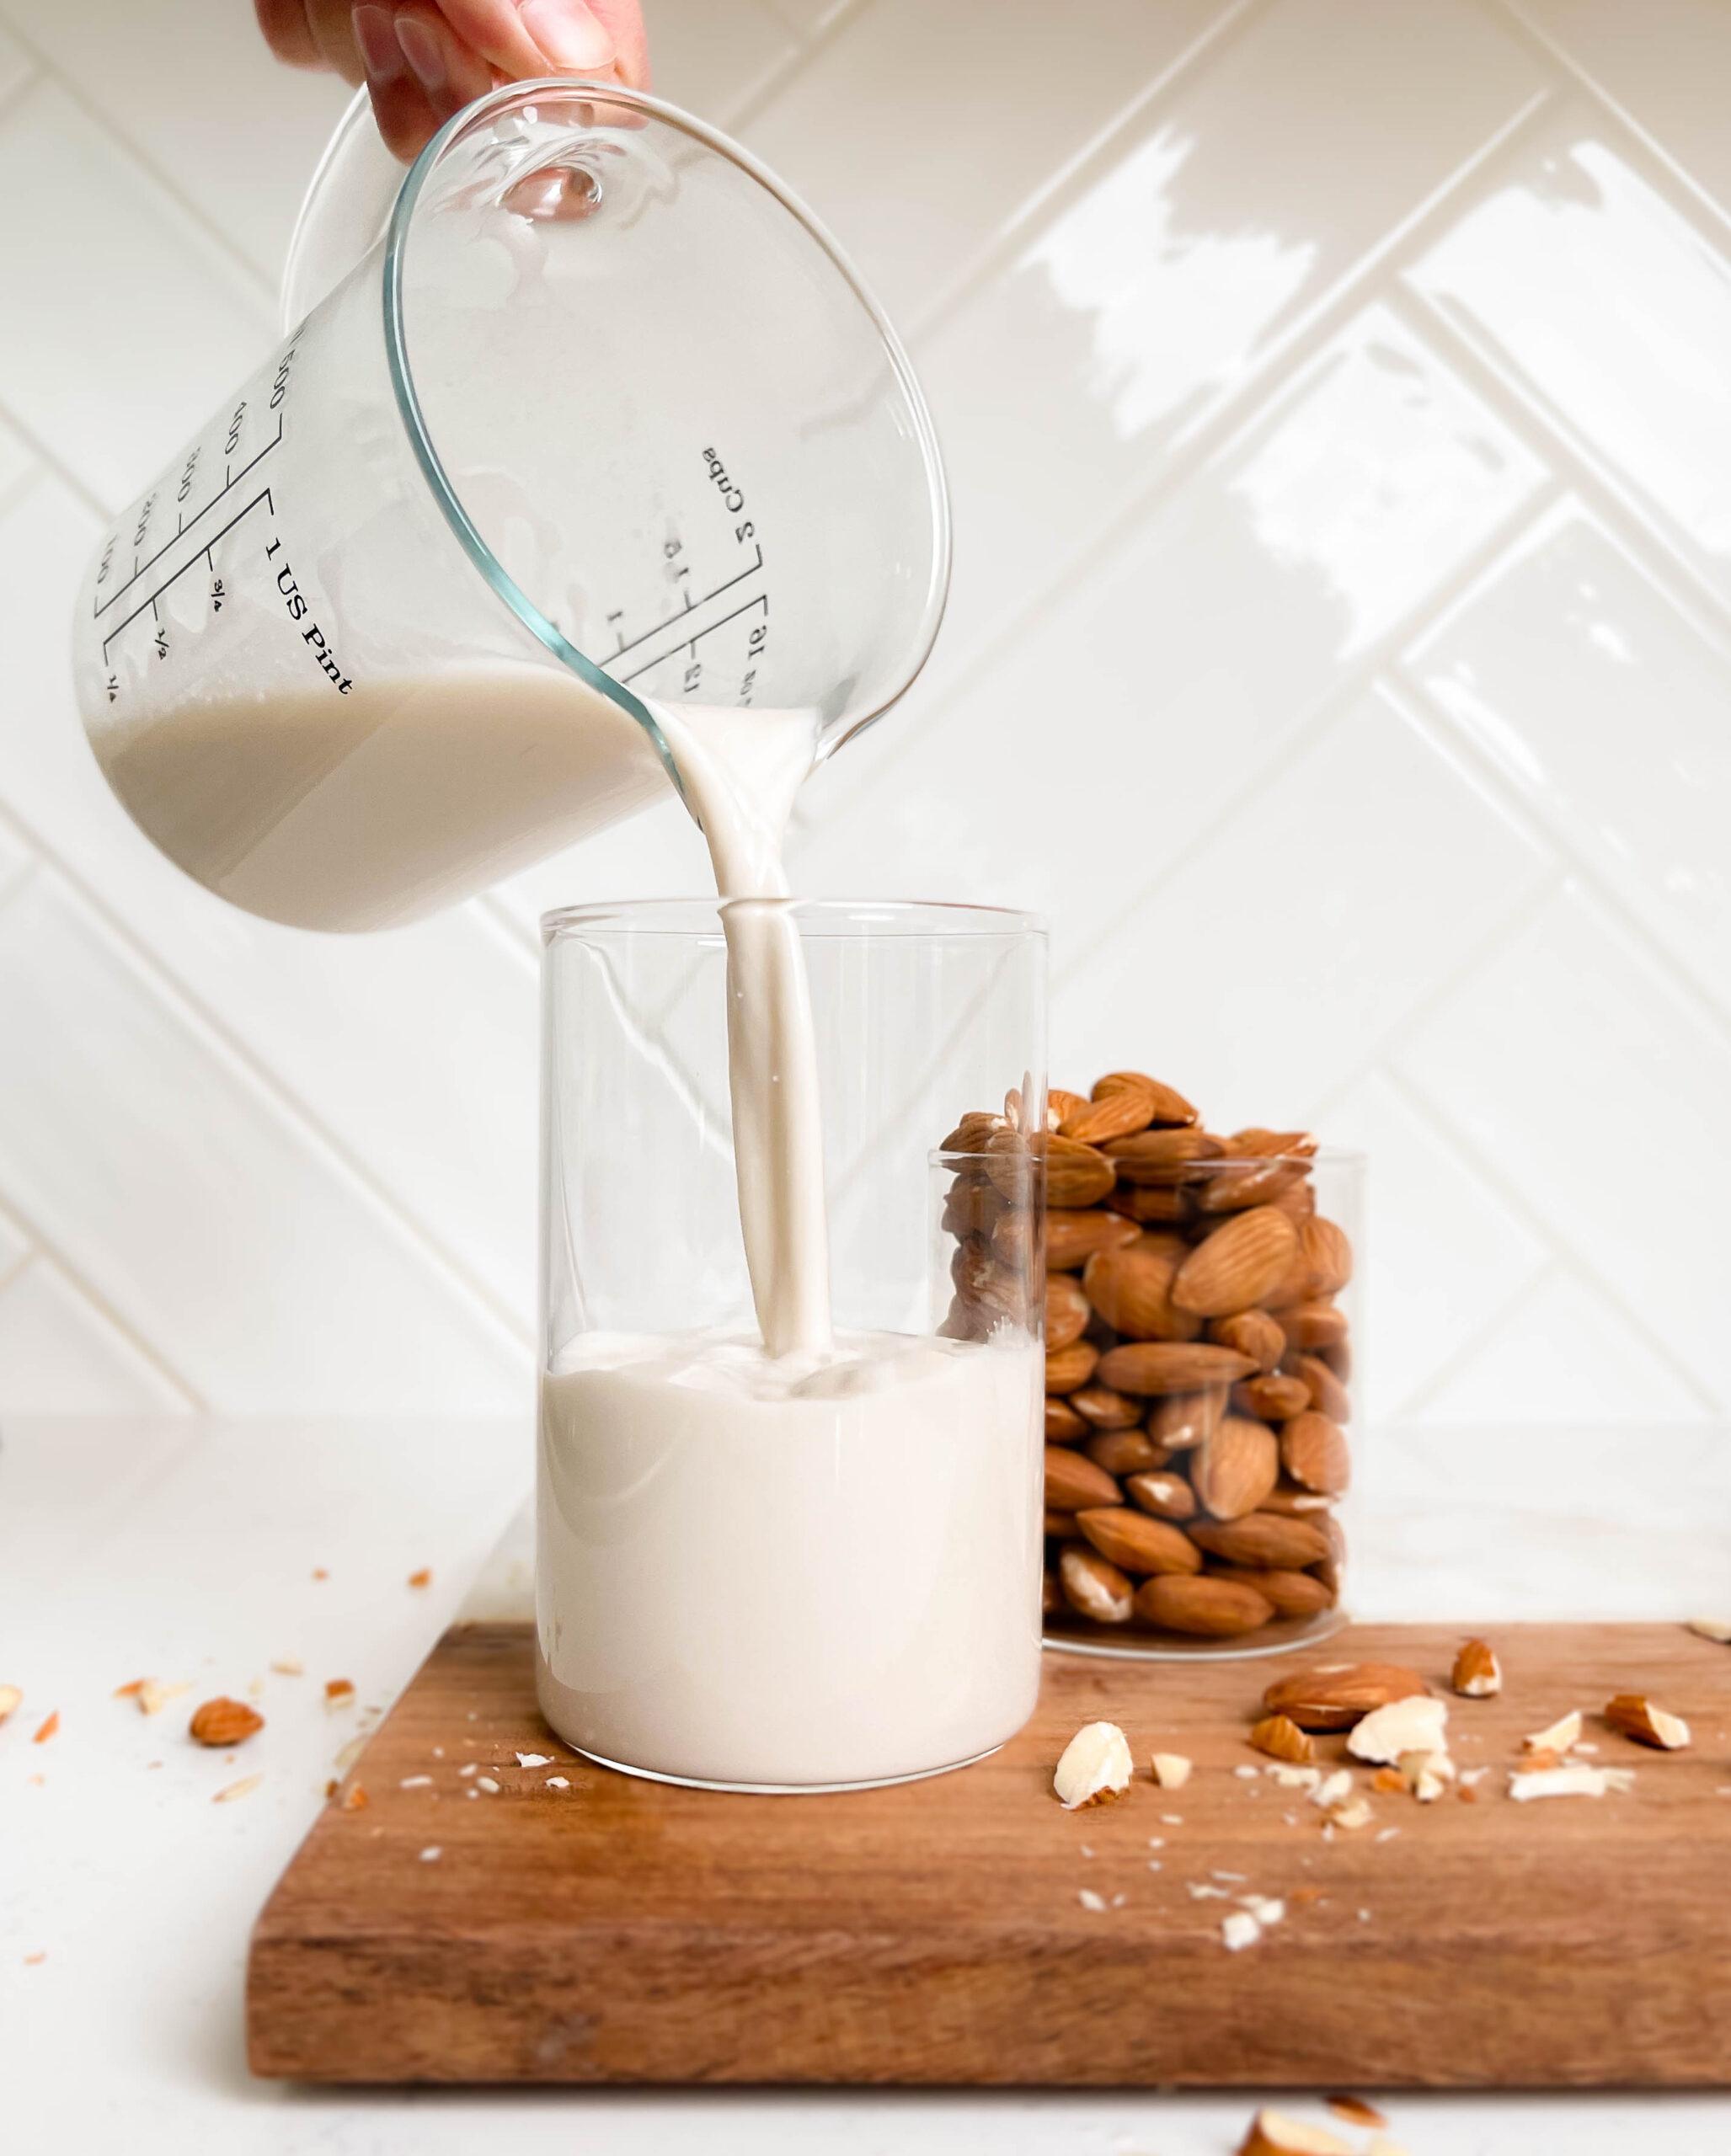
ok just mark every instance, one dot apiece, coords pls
pixel 617 1931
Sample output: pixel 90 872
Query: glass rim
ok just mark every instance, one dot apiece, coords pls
pixel 1332 1157
pixel 481 113
pixel 692 918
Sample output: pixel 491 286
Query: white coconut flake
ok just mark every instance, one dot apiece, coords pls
pixel 1569 1781
pixel 431 1855
pixel 534 1758
pixel 1266 1909
pixel 557 1781
pixel 1090 1900
pixel 1239 1931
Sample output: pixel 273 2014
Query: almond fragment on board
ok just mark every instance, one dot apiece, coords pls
pixel 1095 1768
pixel 1334 1696
pixel 1559 1737
pixel 11 1698
pixel 232 1790
pixel 1351 1817
pixel 1281 1738
pixel 1273 2133
pixel 222 1721
pixel 1333 1789
pixel 1717 1629
pixel 1476 1673
pixel 1633 1715
pixel 1410 1725
pixel 1172 1769
pixel 46 1727
pixel 154 1697
pixel 339 1692
pixel 1574 1778
pixel 1239 1931
pixel 1355 2110
pixel 289 1665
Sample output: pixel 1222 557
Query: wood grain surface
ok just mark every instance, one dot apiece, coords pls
pixel 620 1931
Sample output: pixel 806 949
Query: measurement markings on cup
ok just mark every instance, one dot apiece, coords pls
pixel 205 554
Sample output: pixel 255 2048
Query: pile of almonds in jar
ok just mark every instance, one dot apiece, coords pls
pixel 1197 1358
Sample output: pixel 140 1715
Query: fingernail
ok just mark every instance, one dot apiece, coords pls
pixel 568 34
pixel 425 51
pixel 380 54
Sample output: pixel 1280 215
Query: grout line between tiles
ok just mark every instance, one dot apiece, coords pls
pixel 1408 690
pixel 1550 48
pixel 1549 436
pixel 1276 378
pixel 1056 188
pixel 46 1248
pixel 769 86
pixel 14 93
pixel 1567 1255
pixel 1367 672
pixel 494 1313
pixel 51 464
pixel 1482 1334
pixel 260 286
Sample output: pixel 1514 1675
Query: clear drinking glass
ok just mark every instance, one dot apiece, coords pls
pixel 1207 1510
pixel 823 1588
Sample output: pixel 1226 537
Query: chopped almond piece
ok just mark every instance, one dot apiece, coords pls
pixel 354 1798
pixel 1172 1769
pixel 1559 1737
pixel 130 1691
pixel 1281 1738
pixel 1272 2134
pixel 423 1578
pixel 11 1699
pixel 339 1692
pixel 1355 2110
pixel 1477 1674
pixel 243 1787
pixel 1390 1780
pixel 47 1728
pixel 1633 1715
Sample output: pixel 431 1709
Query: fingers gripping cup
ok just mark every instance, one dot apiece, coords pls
pixel 603 424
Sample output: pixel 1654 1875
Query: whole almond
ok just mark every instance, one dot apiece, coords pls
pixel 1328 1253
pixel 1059 1527
pixel 1169 1105
pixel 1073 1481
pixel 1103 1409
pixel 1294 1594
pixel 1295 1501
pixel 1237 1265
pixel 1235 1184
pixel 1154 1366
pixel 1119 1115
pixel 1215 1608
pixel 1167 1496
pixel 1160 1156
pixel 1071 1367
pixel 973 1208
pixel 974 1133
pixel 1067 1311
pixel 1254 1143
pixel 1153 1205
pixel 1072 1238
pixel 1253 1333
pixel 1136 1542
pixel 1312 1324
pixel 1339 1358
pixel 1126 1452
pixel 1274 1397
pixel 1093 1586
pixel 1328 1395
pixel 1314 1451
pixel 1334 1696
pixel 1075 1175
pixel 1264 1540
pixel 1058 1104
pixel 1181 1420
pixel 220 1722
pixel 1064 1425
pixel 1131 1289
pixel 1237 1468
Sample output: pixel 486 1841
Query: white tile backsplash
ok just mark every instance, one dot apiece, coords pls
pixel 1333 398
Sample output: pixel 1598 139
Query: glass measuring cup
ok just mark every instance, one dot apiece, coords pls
pixel 602 421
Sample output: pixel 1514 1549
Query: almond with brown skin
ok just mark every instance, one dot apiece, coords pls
pixel 1235 1184
pixel 1237 1468
pixel 1126 1452
pixel 1093 1586
pixel 1180 1421
pixel 1273 1397
pixel 1169 1105
pixel 1071 1367
pixel 1138 1543
pixel 1633 1715
pixel 1059 1527
pixel 1075 1175
pixel 1215 1608
pixel 1328 1395
pixel 220 1722
pixel 1058 1104
pixel 1314 1451
pixel 1281 1738
pixel 1167 1496
pixel 1160 1156
pixel 1154 1206
pixel 1067 1311
pixel 1103 1409
pixel 1253 1333
pixel 1312 1325
pixel 1289 1497
pixel 1337 1695
pixel 1476 1673
pixel 1119 1115
pixel 1237 1265
pixel 1328 1253
pixel 1131 1289
pixel 1051 1595
pixel 1254 1143
pixel 1263 1541
pixel 974 1133
pixel 1073 1237
pixel 1161 1366
pixel 1072 1482
pixel 1064 1425
pixel 1294 1594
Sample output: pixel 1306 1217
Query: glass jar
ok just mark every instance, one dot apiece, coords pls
pixel 1203 1321
pixel 809 1574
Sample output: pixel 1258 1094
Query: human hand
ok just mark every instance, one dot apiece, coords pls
pixel 423 60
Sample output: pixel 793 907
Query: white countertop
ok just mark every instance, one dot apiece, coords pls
pixel 185 1551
